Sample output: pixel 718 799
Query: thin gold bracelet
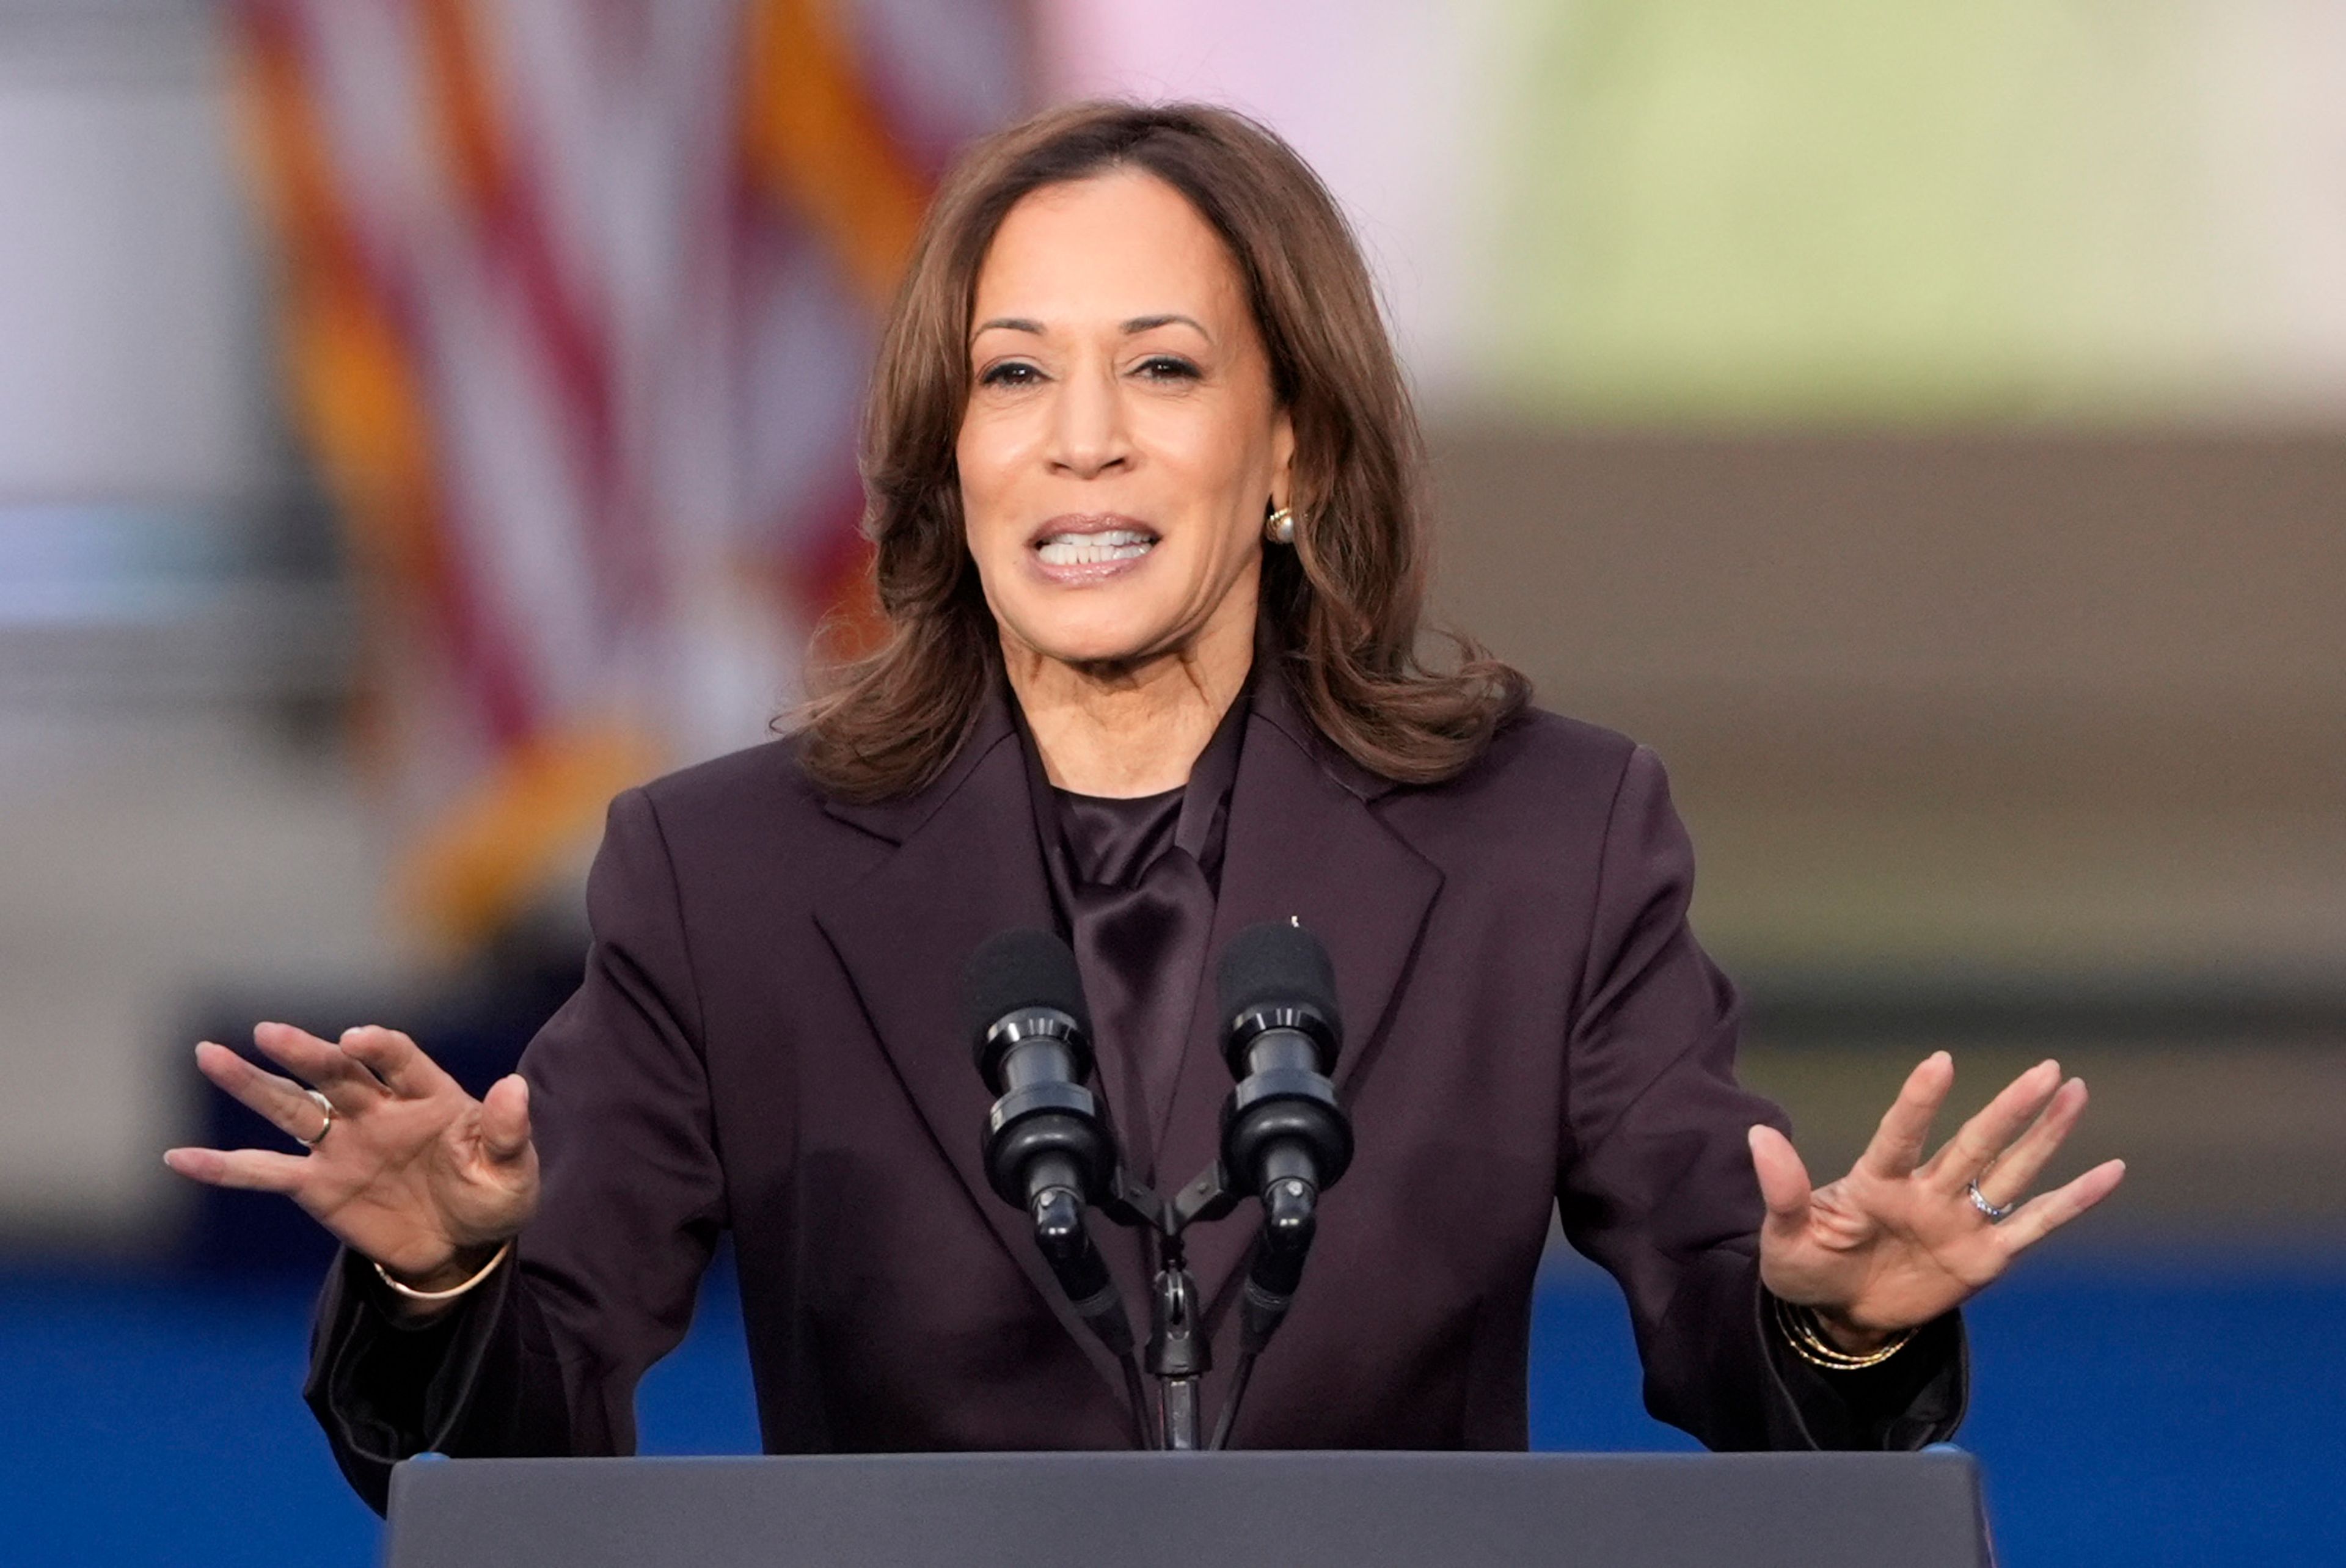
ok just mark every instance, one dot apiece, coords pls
pixel 412 1294
pixel 1799 1327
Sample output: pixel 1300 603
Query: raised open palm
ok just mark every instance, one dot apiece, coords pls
pixel 1900 1239
pixel 409 1169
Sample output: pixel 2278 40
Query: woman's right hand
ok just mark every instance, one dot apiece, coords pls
pixel 412 1171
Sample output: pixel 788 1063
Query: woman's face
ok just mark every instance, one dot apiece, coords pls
pixel 1121 440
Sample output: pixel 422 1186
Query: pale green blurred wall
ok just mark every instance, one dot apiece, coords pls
pixel 1876 210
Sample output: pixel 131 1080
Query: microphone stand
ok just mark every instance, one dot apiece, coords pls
pixel 1179 1354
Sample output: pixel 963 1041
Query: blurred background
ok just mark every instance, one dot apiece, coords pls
pixel 1924 424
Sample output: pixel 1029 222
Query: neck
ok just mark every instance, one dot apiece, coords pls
pixel 1128 729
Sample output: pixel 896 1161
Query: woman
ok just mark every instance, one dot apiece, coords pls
pixel 1145 493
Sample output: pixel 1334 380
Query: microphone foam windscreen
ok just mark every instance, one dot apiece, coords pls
pixel 1019 969
pixel 1277 963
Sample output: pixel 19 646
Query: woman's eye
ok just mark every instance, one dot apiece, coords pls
pixel 1167 368
pixel 1012 373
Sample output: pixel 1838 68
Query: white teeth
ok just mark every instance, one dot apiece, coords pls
pixel 1102 536
pixel 1090 549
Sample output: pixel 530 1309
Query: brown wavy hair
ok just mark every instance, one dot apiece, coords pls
pixel 1344 610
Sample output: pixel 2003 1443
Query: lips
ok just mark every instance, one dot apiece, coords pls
pixel 1084 549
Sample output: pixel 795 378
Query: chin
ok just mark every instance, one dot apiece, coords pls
pixel 1096 649
pixel 1093 639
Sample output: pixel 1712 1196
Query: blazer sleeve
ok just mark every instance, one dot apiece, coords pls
pixel 1656 1182
pixel 544 1357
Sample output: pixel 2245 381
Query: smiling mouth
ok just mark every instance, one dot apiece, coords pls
pixel 1093 546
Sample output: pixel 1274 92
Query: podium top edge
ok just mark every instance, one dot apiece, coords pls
pixel 1938 1455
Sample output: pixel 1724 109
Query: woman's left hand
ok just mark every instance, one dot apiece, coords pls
pixel 1898 1241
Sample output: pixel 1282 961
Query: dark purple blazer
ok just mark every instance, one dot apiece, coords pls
pixel 769 1040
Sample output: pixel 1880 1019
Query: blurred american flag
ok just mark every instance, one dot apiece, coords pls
pixel 578 302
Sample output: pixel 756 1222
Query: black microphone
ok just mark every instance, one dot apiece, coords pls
pixel 1284 1137
pixel 1047 1150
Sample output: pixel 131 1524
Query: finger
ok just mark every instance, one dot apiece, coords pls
pixel 257 1170
pixel 395 1059
pixel 319 1062
pixel 2016 1169
pixel 1979 1140
pixel 2041 1216
pixel 281 1102
pixel 1897 1144
pixel 504 1118
pixel 1783 1179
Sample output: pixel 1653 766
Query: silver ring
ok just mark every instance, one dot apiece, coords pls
pixel 326 1105
pixel 1996 1214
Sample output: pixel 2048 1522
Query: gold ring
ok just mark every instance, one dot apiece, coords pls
pixel 326 1105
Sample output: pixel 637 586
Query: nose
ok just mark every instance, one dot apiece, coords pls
pixel 1088 436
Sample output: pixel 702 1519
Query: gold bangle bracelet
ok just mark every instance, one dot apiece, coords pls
pixel 1799 1327
pixel 412 1294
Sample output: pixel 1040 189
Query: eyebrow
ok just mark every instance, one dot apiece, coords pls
pixel 1149 323
pixel 1136 325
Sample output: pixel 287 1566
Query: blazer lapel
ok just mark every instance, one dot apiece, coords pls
pixel 967 867
pixel 1304 842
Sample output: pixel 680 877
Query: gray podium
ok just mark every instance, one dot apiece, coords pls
pixel 1107 1509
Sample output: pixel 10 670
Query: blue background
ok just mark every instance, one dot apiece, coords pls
pixel 2139 1409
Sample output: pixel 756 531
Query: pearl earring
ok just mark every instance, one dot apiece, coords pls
pixel 1279 526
